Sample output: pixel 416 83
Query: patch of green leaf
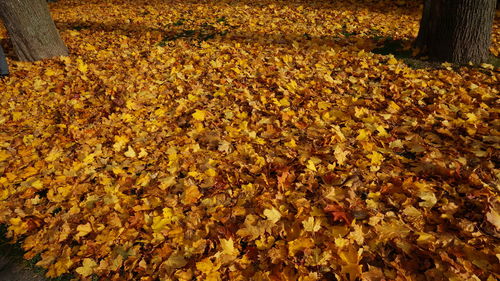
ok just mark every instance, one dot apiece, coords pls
pixel 222 20
pixel 203 32
pixel 347 33
pixel 179 22
pixel 80 27
pixel 397 48
pixel 391 46
pixel 495 61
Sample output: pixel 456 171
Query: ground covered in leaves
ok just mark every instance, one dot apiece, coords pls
pixel 245 140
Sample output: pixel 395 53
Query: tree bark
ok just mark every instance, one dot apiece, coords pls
pixel 458 31
pixel 4 67
pixel 31 29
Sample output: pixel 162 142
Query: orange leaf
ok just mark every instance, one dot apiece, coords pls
pixel 338 213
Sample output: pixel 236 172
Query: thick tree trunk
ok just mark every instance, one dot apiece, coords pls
pixel 457 30
pixel 31 29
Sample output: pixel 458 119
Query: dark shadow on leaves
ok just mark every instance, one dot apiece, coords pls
pixel 229 34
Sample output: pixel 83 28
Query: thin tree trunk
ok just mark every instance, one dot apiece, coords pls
pixel 457 30
pixel 31 29
pixel 4 68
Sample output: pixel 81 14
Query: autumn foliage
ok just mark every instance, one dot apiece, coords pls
pixel 237 140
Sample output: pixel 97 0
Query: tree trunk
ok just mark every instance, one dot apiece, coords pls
pixel 31 29
pixel 4 68
pixel 458 31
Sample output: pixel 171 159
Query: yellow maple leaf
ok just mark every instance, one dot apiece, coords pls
pixel 299 244
pixel 340 154
pixel 167 182
pixel 272 214
pixel 291 144
pixel 62 266
pixel 191 195
pixel 324 105
pixel 425 238
pixel 160 222
pixel 396 144
pixel 381 131
pixel 87 267
pixel 350 255
pixel 50 72
pixel 392 60
pixel 311 166
pixel 210 172
pixel 292 86
pixel 207 266
pixel 311 224
pixel 284 102
pixel 120 142
pixel 28 172
pixel 66 60
pixel 213 276
pixel 471 118
pixel 493 216
pixel 352 270
pixel 143 153
pixel 488 66
pixel 54 154
pixel 376 158
pixel 341 242
pixel 37 184
pixel 328 78
pixel 160 112
pixel 228 249
pixel 4 155
pixel 18 226
pixel 130 152
pixel 199 115
pixel 143 180
pixel 83 229
pixel 127 117
pixel 362 134
pixel 16 116
pixel 81 65
pixel 429 199
pixel 393 107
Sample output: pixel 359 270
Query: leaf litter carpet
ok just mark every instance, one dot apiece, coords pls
pixel 237 140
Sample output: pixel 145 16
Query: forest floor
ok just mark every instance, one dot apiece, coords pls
pixel 12 265
pixel 263 140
